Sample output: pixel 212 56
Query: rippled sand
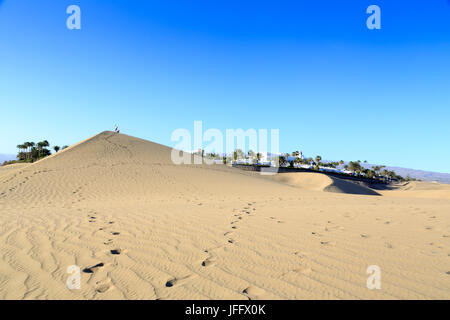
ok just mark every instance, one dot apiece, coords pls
pixel 140 227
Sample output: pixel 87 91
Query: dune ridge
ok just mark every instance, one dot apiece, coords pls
pixel 140 227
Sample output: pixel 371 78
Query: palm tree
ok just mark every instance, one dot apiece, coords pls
pixel 355 166
pixel 377 169
pixel 371 173
pixel 29 149
pixel 56 148
pixel 30 145
pixel 251 154
pixel 41 146
pixel 21 155
pixel 281 161
pixel 25 147
pixel 318 159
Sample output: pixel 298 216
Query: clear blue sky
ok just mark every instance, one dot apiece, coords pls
pixel 310 68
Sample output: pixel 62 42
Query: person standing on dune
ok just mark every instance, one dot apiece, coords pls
pixel 116 129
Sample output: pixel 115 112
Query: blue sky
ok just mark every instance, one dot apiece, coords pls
pixel 309 68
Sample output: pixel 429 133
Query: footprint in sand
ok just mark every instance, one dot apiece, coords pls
pixel 303 270
pixel 93 268
pixel 253 292
pixel 102 287
pixel 116 251
pixel 207 263
pixel 109 241
pixel 172 282
pixel 301 254
pixel 115 233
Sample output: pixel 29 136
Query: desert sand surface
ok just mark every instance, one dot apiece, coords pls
pixel 421 189
pixel 141 227
pixel 4 170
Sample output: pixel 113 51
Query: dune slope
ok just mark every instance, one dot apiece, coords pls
pixel 419 189
pixel 322 182
pixel 140 227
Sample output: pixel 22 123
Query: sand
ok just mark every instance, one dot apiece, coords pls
pixel 4 170
pixel 143 228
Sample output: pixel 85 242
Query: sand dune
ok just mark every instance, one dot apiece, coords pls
pixel 140 227
pixel 419 189
pixel 4 170
pixel 322 182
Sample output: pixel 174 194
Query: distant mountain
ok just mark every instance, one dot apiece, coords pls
pixel 6 157
pixel 417 174
pixel 422 175
pixel 413 173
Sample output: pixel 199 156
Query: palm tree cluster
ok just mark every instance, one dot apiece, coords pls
pixel 357 168
pixel 375 172
pixel 31 151
pixel 316 162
